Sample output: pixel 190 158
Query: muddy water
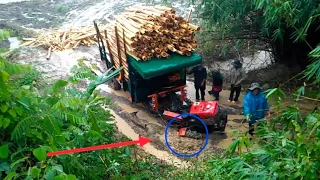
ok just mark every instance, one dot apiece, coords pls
pixel 259 60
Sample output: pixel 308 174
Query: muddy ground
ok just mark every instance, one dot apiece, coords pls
pixel 154 127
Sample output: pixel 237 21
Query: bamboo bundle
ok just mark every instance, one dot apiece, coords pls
pixel 153 32
pixel 141 31
pixel 58 40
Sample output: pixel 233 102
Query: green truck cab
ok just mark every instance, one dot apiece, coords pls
pixel 148 80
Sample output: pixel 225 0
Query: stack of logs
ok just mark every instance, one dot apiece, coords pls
pixel 151 31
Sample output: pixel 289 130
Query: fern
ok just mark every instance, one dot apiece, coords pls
pixel 22 127
pixel 52 125
pixel 68 102
pixel 76 118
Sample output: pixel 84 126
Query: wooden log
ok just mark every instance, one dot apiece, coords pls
pixel 76 44
pixel 108 47
pixel 126 24
pixel 85 36
pixel 194 27
pixel 64 36
pixel 29 39
pixel 164 54
pixel 125 46
pixel 28 43
pixel 129 34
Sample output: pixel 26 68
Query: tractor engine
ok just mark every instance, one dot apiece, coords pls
pixel 211 113
pixel 208 111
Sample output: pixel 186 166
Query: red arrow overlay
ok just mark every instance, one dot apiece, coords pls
pixel 142 141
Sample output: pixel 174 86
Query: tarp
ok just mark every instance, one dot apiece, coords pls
pixel 156 67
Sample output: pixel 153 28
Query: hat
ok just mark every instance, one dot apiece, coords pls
pixel 237 63
pixel 254 86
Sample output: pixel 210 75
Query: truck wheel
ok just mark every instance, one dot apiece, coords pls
pixel 113 83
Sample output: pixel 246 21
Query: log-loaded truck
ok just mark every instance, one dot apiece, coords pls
pixel 157 83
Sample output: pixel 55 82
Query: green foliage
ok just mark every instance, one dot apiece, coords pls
pixel 36 121
pixel 4 34
pixel 271 18
pixel 313 70
pixel 30 77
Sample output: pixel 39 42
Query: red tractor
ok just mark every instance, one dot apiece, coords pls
pixel 209 111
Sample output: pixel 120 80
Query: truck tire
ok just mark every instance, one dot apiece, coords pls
pixel 113 83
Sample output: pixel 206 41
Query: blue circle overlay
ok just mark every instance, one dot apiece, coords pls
pixel 186 155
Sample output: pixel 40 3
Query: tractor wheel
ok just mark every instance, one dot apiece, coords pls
pixel 113 83
pixel 223 121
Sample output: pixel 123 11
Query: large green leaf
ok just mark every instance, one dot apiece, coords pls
pixel 102 79
pixel 10 176
pixel 4 151
pixel 65 177
pixel 40 153
pixel 15 163
pixel 50 175
pixel 34 172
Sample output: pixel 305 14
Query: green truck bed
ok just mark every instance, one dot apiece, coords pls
pixel 156 67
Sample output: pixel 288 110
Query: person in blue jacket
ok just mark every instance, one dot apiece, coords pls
pixel 255 106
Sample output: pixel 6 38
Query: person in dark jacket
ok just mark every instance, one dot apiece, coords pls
pixel 200 77
pixel 217 81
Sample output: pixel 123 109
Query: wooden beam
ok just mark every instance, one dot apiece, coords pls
pixel 118 48
pixel 108 46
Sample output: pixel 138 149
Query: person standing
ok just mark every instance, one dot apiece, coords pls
pixel 200 77
pixel 255 106
pixel 237 75
pixel 217 81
